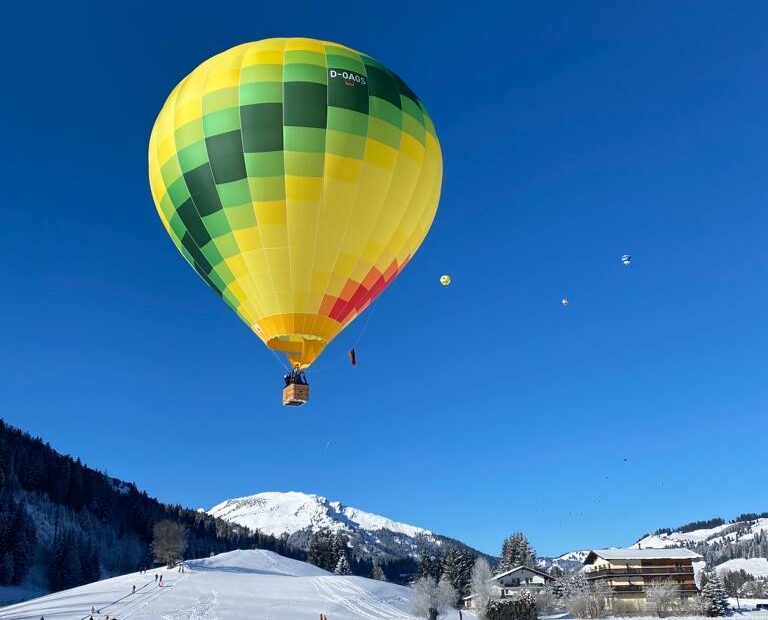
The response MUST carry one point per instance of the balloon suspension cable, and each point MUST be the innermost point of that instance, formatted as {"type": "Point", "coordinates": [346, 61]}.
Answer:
{"type": "Point", "coordinates": [279, 360]}
{"type": "Point", "coordinates": [336, 362]}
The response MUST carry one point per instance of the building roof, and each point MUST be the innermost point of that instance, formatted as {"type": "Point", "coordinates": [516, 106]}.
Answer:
{"type": "Point", "coordinates": [641, 554]}
{"type": "Point", "coordinates": [517, 568]}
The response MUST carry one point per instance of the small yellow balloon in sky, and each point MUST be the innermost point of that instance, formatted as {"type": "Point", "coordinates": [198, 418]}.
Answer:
{"type": "Point", "coordinates": [445, 280]}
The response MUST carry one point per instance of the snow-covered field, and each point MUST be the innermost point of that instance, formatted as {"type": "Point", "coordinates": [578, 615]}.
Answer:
{"type": "Point", "coordinates": [239, 585]}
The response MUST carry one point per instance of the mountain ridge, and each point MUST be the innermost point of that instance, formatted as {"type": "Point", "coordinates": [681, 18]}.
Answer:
{"type": "Point", "coordinates": [295, 516]}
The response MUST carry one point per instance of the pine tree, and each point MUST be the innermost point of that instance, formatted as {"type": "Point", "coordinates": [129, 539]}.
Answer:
{"type": "Point", "coordinates": [56, 564]}
{"type": "Point", "coordinates": [6, 569]}
{"type": "Point", "coordinates": [457, 568]}
{"type": "Point", "coordinates": [24, 534]}
{"type": "Point", "coordinates": [89, 562]}
{"type": "Point", "coordinates": [516, 551]}
{"type": "Point", "coordinates": [339, 547]}
{"type": "Point", "coordinates": [325, 549]}
{"type": "Point", "coordinates": [503, 565]}
{"type": "Point", "coordinates": [714, 597]}
{"type": "Point", "coordinates": [429, 567]}
{"type": "Point", "coordinates": [556, 572]}
{"type": "Point", "coordinates": [342, 566]}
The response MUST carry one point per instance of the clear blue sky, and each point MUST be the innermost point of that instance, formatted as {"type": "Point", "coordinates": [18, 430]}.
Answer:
{"type": "Point", "coordinates": [572, 133]}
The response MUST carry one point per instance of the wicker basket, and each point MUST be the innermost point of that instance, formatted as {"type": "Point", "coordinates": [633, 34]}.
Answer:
{"type": "Point", "coordinates": [295, 394]}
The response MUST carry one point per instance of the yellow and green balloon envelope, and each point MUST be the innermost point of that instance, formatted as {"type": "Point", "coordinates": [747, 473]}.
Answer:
{"type": "Point", "coordinates": [298, 177]}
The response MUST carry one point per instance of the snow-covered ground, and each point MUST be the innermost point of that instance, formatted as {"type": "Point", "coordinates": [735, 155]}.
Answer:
{"type": "Point", "coordinates": [239, 585]}
{"type": "Point", "coordinates": [747, 611]}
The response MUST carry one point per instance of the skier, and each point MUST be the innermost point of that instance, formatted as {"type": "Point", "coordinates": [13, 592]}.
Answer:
{"type": "Point", "coordinates": [155, 576]}
{"type": "Point", "coordinates": [134, 590]}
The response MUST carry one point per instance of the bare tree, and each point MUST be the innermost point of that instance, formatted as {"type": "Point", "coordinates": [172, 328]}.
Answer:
{"type": "Point", "coordinates": [377, 573]}
{"type": "Point", "coordinates": [431, 596]}
{"type": "Point", "coordinates": [169, 541]}
{"type": "Point", "coordinates": [481, 584]}
{"type": "Point", "coordinates": [446, 594]}
{"type": "Point", "coordinates": [589, 601]}
{"type": "Point", "coordinates": [661, 597]}
{"type": "Point", "coordinates": [545, 600]}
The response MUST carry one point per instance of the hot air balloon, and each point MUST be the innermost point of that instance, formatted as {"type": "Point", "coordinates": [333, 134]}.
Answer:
{"type": "Point", "coordinates": [445, 280]}
{"type": "Point", "coordinates": [298, 177]}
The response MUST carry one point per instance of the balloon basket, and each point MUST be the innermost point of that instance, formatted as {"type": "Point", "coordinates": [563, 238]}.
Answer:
{"type": "Point", "coordinates": [295, 395]}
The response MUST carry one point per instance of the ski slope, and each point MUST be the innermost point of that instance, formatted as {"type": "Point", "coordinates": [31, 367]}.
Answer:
{"type": "Point", "coordinates": [239, 585]}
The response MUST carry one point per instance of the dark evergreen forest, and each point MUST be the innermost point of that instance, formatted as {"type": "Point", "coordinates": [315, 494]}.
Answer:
{"type": "Point", "coordinates": [80, 523]}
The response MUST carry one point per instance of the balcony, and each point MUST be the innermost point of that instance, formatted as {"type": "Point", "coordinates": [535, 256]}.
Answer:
{"type": "Point", "coordinates": [600, 573]}
{"type": "Point", "coordinates": [681, 589]}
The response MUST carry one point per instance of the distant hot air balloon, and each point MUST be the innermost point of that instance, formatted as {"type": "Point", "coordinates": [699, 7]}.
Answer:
{"type": "Point", "coordinates": [445, 280]}
{"type": "Point", "coordinates": [564, 302]}
{"type": "Point", "coordinates": [626, 260]}
{"type": "Point", "coordinates": [298, 177]}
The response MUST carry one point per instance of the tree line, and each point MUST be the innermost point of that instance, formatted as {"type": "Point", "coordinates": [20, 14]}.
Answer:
{"type": "Point", "coordinates": [708, 524]}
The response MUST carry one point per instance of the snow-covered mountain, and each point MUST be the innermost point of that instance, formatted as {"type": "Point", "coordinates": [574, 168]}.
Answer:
{"type": "Point", "coordinates": [239, 585]}
{"type": "Point", "coordinates": [298, 515]}
{"type": "Point", "coordinates": [568, 562]}
{"type": "Point", "coordinates": [286, 513]}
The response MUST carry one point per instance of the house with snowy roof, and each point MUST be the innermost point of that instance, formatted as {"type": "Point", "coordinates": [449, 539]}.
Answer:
{"type": "Point", "coordinates": [629, 573]}
{"type": "Point", "coordinates": [512, 582]}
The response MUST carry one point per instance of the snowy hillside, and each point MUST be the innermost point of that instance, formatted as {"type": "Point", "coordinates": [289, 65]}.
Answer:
{"type": "Point", "coordinates": [727, 546]}
{"type": "Point", "coordinates": [728, 532]}
{"type": "Point", "coordinates": [239, 585]}
{"type": "Point", "coordinates": [299, 515]}
{"type": "Point", "coordinates": [757, 567]}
